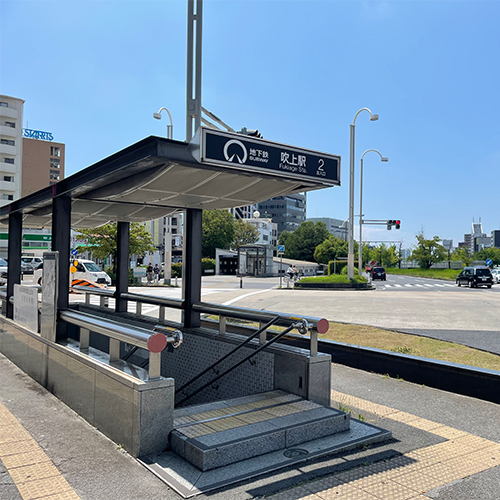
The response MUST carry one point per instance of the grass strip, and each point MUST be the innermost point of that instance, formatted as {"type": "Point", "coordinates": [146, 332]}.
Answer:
{"type": "Point", "coordinates": [369, 336]}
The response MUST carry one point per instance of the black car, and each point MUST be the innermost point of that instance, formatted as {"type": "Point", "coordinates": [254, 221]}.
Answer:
{"type": "Point", "coordinates": [378, 273]}
{"type": "Point", "coordinates": [475, 276]}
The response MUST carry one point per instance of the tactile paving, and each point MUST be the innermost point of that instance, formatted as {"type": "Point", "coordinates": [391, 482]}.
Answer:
{"type": "Point", "coordinates": [36, 456]}
{"type": "Point", "coordinates": [345, 492]}
{"type": "Point", "coordinates": [33, 472]}
{"type": "Point", "coordinates": [17, 447]}
{"type": "Point", "coordinates": [194, 431]}
{"type": "Point", "coordinates": [390, 489]}
{"type": "Point", "coordinates": [43, 487]}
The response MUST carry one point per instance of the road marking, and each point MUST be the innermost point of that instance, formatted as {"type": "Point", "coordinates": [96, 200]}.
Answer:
{"type": "Point", "coordinates": [31, 470]}
{"type": "Point", "coordinates": [232, 301]}
{"type": "Point", "coordinates": [400, 286]}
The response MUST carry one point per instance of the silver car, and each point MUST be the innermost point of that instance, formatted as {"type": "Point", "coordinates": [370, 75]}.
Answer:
{"type": "Point", "coordinates": [496, 275]}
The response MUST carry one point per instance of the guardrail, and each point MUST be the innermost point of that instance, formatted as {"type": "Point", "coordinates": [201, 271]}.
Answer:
{"type": "Point", "coordinates": [154, 342]}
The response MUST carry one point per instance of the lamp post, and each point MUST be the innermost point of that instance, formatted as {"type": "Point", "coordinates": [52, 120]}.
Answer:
{"type": "Point", "coordinates": [170, 128]}
{"type": "Point", "coordinates": [360, 248]}
{"type": "Point", "coordinates": [350, 255]}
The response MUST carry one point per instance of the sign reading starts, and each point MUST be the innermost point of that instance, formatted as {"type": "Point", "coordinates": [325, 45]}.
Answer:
{"type": "Point", "coordinates": [247, 153]}
{"type": "Point", "coordinates": [37, 134]}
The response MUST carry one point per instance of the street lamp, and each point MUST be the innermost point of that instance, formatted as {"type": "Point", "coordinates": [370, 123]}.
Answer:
{"type": "Point", "coordinates": [350, 255]}
{"type": "Point", "coordinates": [360, 248]}
{"type": "Point", "coordinates": [170, 128]}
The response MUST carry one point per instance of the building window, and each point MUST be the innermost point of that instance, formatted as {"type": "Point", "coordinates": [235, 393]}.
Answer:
{"type": "Point", "coordinates": [54, 176]}
{"type": "Point", "coordinates": [174, 230]}
{"type": "Point", "coordinates": [4, 104]}
{"type": "Point", "coordinates": [9, 160]}
{"type": "Point", "coordinates": [55, 163]}
{"type": "Point", "coordinates": [8, 178]}
{"type": "Point", "coordinates": [174, 222]}
{"type": "Point", "coordinates": [8, 142]}
{"type": "Point", "coordinates": [10, 124]}
{"type": "Point", "coordinates": [55, 151]}
{"type": "Point", "coordinates": [7, 197]}
{"type": "Point", "coordinates": [265, 237]}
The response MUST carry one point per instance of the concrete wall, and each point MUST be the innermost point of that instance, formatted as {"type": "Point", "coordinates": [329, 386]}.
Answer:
{"type": "Point", "coordinates": [135, 414]}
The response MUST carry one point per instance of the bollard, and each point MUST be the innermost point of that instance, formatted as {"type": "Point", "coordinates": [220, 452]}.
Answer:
{"type": "Point", "coordinates": [241, 281]}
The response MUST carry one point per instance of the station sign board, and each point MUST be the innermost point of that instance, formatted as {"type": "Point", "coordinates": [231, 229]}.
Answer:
{"type": "Point", "coordinates": [245, 153]}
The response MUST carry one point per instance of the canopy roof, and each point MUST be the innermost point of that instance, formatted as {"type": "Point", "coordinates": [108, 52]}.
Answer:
{"type": "Point", "coordinates": [153, 178]}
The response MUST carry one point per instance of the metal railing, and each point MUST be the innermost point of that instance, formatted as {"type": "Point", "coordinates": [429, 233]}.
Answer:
{"type": "Point", "coordinates": [315, 325]}
{"type": "Point", "coordinates": [154, 342]}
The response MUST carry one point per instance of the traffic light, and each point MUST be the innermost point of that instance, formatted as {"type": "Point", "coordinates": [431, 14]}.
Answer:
{"type": "Point", "coordinates": [398, 224]}
{"type": "Point", "coordinates": [252, 133]}
{"type": "Point", "coordinates": [390, 223]}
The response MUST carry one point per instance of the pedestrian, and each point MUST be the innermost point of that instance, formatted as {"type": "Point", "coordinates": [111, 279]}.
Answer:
{"type": "Point", "coordinates": [156, 272]}
{"type": "Point", "coordinates": [149, 273]}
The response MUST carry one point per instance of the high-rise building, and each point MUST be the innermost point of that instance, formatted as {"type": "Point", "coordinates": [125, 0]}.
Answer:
{"type": "Point", "coordinates": [43, 163]}
{"type": "Point", "coordinates": [11, 148]}
{"type": "Point", "coordinates": [245, 212]}
{"type": "Point", "coordinates": [495, 238]}
{"type": "Point", "coordinates": [288, 212]}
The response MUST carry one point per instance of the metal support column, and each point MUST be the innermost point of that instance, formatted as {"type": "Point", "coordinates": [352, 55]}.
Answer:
{"type": "Point", "coordinates": [122, 265]}
{"type": "Point", "coordinates": [14, 257]}
{"type": "Point", "coordinates": [61, 238]}
{"type": "Point", "coordinates": [191, 266]}
{"type": "Point", "coordinates": [193, 103]}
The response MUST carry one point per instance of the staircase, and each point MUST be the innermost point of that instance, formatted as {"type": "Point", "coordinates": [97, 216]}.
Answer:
{"type": "Point", "coordinates": [216, 434]}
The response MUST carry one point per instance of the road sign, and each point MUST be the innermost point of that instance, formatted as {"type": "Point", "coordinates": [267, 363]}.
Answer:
{"type": "Point", "coordinates": [246, 153]}
{"type": "Point", "coordinates": [489, 262]}
{"type": "Point", "coordinates": [74, 252]}
{"type": "Point", "coordinates": [281, 248]}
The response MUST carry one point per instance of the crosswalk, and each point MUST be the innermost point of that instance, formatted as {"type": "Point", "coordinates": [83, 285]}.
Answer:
{"type": "Point", "coordinates": [422, 286]}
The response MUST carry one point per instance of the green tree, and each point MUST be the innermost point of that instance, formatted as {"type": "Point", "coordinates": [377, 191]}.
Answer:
{"type": "Point", "coordinates": [332, 248]}
{"type": "Point", "coordinates": [102, 241]}
{"type": "Point", "coordinates": [492, 253]}
{"type": "Point", "coordinates": [463, 255]}
{"type": "Point", "coordinates": [244, 234]}
{"type": "Point", "coordinates": [217, 231]}
{"type": "Point", "coordinates": [428, 252]}
{"type": "Point", "coordinates": [302, 243]}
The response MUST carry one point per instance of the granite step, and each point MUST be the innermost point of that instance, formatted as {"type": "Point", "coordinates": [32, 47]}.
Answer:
{"type": "Point", "coordinates": [221, 433]}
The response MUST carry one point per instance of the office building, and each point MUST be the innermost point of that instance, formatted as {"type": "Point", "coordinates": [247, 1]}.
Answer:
{"type": "Point", "coordinates": [288, 212]}
{"type": "Point", "coordinates": [495, 238]}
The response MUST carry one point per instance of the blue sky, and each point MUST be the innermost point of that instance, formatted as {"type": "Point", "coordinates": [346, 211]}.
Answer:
{"type": "Point", "coordinates": [93, 72]}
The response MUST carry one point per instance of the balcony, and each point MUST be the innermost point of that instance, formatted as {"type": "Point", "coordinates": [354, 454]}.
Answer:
{"type": "Point", "coordinates": [8, 187]}
{"type": "Point", "coordinates": [8, 131]}
{"type": "Point", "coordinates": [8, 112]}
{"type": "Point", "coordinates": [8, 150]}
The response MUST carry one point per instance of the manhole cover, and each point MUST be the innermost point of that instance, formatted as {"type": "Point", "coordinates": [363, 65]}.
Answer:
{"type": "Point", "coordinates": [297, 452]}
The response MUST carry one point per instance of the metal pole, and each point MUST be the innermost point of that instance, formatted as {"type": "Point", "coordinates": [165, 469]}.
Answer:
{"type": "Point", "coordinates": [281, 269]}
{"type": "Point", "coordinates": [350, 255]}
{"type": "Point", "coordinates": [193, 103]}
{"type": "Point", "coordinates": [189, 76]}
{"type": "Point", "coordinates": [360, 249]}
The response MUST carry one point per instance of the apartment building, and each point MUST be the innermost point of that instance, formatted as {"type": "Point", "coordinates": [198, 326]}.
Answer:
{"type": "Point", "coordinates": [11, 148]}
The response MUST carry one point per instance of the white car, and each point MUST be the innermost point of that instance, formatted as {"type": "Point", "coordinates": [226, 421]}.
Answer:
{"type": "Point", "coordinates": [496, 275]}
{"type": "Point", "coordinates": [85, 270]}
{"type": "Point", "coordinates": [3, 271]}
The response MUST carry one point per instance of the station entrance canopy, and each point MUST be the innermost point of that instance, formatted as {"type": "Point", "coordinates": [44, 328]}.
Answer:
{"type": "Point", "coordinates": [157, 177]}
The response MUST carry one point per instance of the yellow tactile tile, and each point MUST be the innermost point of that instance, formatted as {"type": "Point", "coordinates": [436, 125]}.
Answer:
{"type": "Point", "coordinates": [281, 411]}
{"type": "Point", "coordinates": [14, 432]}
{"type": "Point", "coordinates": [390, 490]}
{"type": "Point", "coordinates": [16, 447]}
{"type": "Point", "coordinates": [418, 481]}
{"type": "Point", "coordinates": [43, 488]}
{"type": "Point", "coordinates": [194, 431]}
{"type": "Point", "coordinates": [224, 424]}
{"type": "Point", "coordinates": [36, 456]}
{"type": "Point", "coordinates": [344, 492]}
{"type": "Point", "coordinates": [449, 432]}
{"type": "Point", "coordinates": [67, 495]}
{"type": "Point", "coordinates": [402, 416]}
{"type": "Point", "coordinates": [255, 417]}
{"type": "Point", "coordinates": [183, 421]}
{"type": "Point", "coordinates": [33, 472]}
{"type": "Point", "coordinates": [424, 424]}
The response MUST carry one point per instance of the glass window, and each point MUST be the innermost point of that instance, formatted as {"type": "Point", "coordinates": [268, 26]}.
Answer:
{"type": "Point", "coordinates": [9, 160]}
{"type": "Point", "coordinates": [55, 151]}
{"type": "Point", "coordinates": [4, 104]}
{"type": "Point", "coordinates": [92, 267]}
{"type": "Point", "coordinates": [54, 176]}
{"type": "Point", "coordinates": [7, 142]}
{"type": "Point", "coordinates": [8, 178]}
{"type": "Point", "coordinates": [10, 124]}
{"type": "Point", "coordinates": [7, 197]}
{"type": "Point", "coordinates": [55, 163]}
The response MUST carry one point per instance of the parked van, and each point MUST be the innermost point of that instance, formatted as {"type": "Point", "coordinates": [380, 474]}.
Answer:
{"type": "Point", "coordinates": [85, 270]}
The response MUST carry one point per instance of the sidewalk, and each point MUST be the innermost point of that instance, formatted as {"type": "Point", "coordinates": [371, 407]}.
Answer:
{"type": "Point", "coordinates": [445, 445]}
